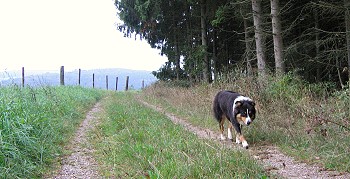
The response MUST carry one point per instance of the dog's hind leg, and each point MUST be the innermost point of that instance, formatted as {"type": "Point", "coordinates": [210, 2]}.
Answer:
{"type": "Point", "coordinates": [229, 131]}
{"type": "Point", "coordinates": [222, 128]}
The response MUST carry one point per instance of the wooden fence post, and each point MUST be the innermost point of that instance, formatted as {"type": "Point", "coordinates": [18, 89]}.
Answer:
{"type": "Point", "coordinates": [79, 76]}
{"type": "Point", "coordinates": [93, 80]}
{"type": "Point", "coordinates": [23, 77]}
{"type": "Point", "coordinates": [127, 83]}
{"type": "Point", "coordinates": [107, 82]}
{"type": "Point", "coordinates": [116, 83]}
{"type": "Point", "coordinates": [62, 75]}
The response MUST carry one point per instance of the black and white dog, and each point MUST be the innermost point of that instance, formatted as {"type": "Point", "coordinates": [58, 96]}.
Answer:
{"type": "Point", "coordinates": [237, 109]}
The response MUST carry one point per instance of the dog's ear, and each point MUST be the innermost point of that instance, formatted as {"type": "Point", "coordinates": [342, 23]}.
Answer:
{"type": "Point", "coordinates": [238, 103]}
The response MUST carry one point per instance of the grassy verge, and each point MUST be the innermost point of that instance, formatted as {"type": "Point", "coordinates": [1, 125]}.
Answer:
{"type": "Point", "coordinates": [306, 121]}
{"type": "Point", "coordinates": [133, 141]}
{"type": "Point", "coordinates": [34, 125]}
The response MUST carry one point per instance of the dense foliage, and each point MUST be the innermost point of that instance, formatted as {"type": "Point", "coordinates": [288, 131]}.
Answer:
{"type": "Point", "coordinates": [204, 39]}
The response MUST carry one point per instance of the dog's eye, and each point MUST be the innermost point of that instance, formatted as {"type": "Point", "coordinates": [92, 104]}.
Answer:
{"type": "Point", "coordinates": [251, 115]}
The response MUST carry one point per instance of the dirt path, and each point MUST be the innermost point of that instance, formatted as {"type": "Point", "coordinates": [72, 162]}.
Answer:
{"type": "Point", "coordinates": [272, 159]}
{"type": "Point", "coordinates": [80, 163]}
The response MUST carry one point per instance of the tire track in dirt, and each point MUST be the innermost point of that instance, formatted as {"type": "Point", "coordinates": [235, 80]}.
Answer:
{"type": "Point", "coordinates": [274, 161]}
{"type": "Point", "coordinates": [80, 163]}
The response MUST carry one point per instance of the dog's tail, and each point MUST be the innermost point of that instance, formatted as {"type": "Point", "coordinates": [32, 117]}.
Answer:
{"type": "Point", "coordinates": [216, 109]}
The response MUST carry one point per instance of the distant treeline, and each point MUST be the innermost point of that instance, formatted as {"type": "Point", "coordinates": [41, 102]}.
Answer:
{"type": "Point", "coordinates": [137, 78]}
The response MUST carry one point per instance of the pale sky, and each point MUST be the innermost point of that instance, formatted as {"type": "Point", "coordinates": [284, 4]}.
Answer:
{"type": "Point", "coordinates": [47, 34]}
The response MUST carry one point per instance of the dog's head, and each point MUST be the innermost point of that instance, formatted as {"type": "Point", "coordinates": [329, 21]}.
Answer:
{"type": "Point", "coordinates": [244, 109]}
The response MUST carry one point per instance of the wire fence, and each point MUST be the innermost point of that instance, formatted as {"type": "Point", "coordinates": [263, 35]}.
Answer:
{"type": "Point", "coordinates": [107, 81]}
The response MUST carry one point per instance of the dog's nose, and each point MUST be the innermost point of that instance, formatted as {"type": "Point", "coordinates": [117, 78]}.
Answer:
{"type": "Point", "coordinates": [248, 122]}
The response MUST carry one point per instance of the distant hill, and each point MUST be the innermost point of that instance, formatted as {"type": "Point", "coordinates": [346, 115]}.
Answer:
{"type": "Point", "coordinates": [71, 78]}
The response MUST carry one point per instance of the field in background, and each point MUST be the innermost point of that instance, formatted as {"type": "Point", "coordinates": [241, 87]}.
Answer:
{"type": "Point", "coordinates": [307, 121]}
{"type": "Point", "coordinates": [35, 125]}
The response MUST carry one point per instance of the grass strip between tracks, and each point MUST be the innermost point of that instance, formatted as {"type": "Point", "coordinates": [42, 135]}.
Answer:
{"type": "Point", "coordinates": [135, 141]}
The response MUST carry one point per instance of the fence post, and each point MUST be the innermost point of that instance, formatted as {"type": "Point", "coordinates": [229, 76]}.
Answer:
{"type": "Point", "coordinates": [62, 75]}
{"type": "Point", "coordinates": [116, 83]}
{"type": "Point", "coordinates": [79, 76]}
{"type": "Point", "coordinates": [107, 82]}
{"type": "Point", "coordinates": [127, 83]}
{"type": "Point", "coordinates": [23, 77]}
{"type": "Point", "coordinates": [143, 84]}
{"type": "Point", "coordinates": [93, 80]}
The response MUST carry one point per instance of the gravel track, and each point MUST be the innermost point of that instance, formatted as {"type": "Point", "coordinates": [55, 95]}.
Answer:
{"type": "Point", "coordinates": [80, 163]}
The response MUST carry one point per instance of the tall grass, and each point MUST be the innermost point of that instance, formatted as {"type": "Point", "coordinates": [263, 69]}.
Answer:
{"type": "Point", "coordinates": [308, 121]}
{"type": "Point", "coordinates": [35, 123]}
{"type": "Point", "coordinates": [133, 141]}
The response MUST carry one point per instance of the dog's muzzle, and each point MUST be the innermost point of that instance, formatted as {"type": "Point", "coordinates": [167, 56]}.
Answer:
{"type": "Point", "coordinates": [248, 121]}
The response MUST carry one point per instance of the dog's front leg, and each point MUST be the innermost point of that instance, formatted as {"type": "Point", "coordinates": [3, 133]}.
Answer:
{"type": "Point", "coordinates": [240, 138]}
{"type": "Point", "coordinates": [244, 142]}
{"type": "Point", "coordinates": [237, 139]}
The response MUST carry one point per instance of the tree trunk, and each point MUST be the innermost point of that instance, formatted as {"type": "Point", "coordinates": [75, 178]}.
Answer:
{"type": "Point", "coordinates": [317, 46]}
{"type": "Point", "coordinates": [189, 60]}
{"type": "Point", "coordinates": [277, 37]}
{"type": "Point", "coordinates": [177, 58]}
{"type": "Point", "coordinates": [176, 47]}
{"type": "Point", "coordinates": [347, 22]}
{"type": "Point", "coordinates": [259, 37]}
{"type": "Point", "coordinates": [204, 41]}
{"type": "Point", "coordinates": [247, 47]}
{"type": "Point", "coordinates": [215, 58]}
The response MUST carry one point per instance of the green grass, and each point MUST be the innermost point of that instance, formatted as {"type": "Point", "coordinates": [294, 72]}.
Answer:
{"type": "Point", "coordinates": [310, 122]}
{"type": "Point", "coordinates": [35, 123]}
{"type": "Point", "coordinates": [133, 141]}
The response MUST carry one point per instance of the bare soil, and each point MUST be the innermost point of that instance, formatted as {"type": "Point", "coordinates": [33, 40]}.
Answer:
{"type": "Point", "coordinates": [274, 161]}
{"type": "Point", "coordinates": [80, 163]}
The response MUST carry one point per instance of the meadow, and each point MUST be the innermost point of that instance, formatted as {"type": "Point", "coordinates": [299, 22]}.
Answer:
{"type": "Point", "coordinates": [35, 125]}
{"type": "Point", "coordinates": [310, 122]}
{"type": "Point", "coordinates": [134, 141]}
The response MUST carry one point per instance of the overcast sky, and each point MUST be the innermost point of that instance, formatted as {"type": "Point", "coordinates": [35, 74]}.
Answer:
{"type": "Point", "coordinates": [46, 34]}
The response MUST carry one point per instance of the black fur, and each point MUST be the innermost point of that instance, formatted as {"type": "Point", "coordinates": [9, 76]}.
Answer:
{"type": "Point", "coordinates": [223, 105]}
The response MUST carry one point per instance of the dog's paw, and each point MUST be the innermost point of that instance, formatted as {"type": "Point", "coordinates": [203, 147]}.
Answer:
{"type": "Point", "coordinates": [222, 137]}
{"type": "Point", "coordinates": [245, 144]}
{"type": "Point", "coordinates": [237, 140]}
